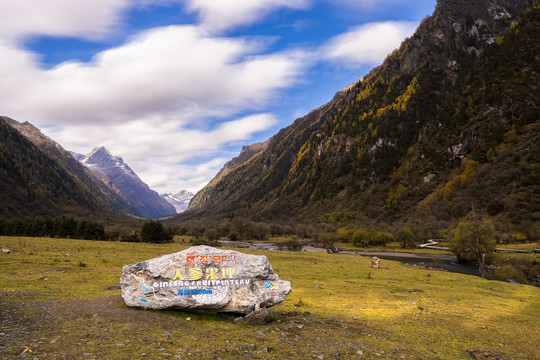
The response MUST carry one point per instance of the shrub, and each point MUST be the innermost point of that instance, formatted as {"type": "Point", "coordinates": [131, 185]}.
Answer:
{"type": "Point", "coordinates": [154, 232]}
{"type": "Point", "coordinates": [363, 237]}
{"type": "Point", "coordinates": [382, 239]}
{"type": "Point", "coordinates": [211, 234]}
{"type": "Point", "coordinates": [406, 237]}
{"type": "Point", "coordinates": [507, 273]}
{"type": "Point", "coordinates": [473, 239]}
{"type": "Point", "coordinates": [523, 268]}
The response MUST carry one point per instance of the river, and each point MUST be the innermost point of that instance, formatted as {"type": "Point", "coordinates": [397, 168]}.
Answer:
{"type": "Point", "coordinates": [441, 261]}
{"type": "Point", "coordinates": [429, 261]}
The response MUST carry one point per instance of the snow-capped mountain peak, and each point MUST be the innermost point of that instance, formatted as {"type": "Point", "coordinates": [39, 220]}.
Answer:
{"type": "Point", "coordinates": [146, 202]}
{"type": "Point", "coordinates": [180, 200]}
{"type": "Point", "coordinates": [101, 160]}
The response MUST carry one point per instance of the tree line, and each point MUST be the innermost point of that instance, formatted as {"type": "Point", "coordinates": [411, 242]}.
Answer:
{"type": "Point", "coordinates": [49, 227]}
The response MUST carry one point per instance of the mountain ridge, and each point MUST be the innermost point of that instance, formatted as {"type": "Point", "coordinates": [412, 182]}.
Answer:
{"type": "Point", "coordinates": [91, 180]}
{"type": "Point", "coordinates": [145, 202]}
{"type": "Point", "coordinates": [105, 180]}
{"type": "Point", "coordinates": [34, 183]}
{"type": "Point", "coordinates": [384, 147]}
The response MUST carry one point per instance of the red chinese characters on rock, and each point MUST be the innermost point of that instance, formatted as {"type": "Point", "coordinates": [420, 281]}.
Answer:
{"type": "Point", "coordinates": [192, 259]}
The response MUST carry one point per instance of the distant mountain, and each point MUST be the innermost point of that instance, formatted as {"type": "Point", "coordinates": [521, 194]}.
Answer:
{"type": "Point", "coordinates": [34, 183]}
{"type": "Point", "coordinates": [145, 202]}
{"type": "Point", "coordinates": [180, 200]}
{"type": "Point", "coordinates": [450, 118]}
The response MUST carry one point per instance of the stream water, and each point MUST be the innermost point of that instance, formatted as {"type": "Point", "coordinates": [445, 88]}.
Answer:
{"type": "Point", "coordinates": [442, 261]}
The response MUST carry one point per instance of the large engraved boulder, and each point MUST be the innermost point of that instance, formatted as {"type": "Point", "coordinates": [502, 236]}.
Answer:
{"type": "Point", "coordinates": [204, 278]}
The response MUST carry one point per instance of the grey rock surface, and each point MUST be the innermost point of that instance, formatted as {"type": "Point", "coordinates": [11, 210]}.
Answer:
{"type": "Point", "coordinates": [204, 278]}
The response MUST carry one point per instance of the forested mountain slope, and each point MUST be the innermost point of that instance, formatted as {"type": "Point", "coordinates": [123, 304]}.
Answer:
{"type": "Point", "coordinates": [449, 119]}
{"type": "Point", "coordinates": [96, 183]}
{"type": "Point", "coordinates": [34, 183]}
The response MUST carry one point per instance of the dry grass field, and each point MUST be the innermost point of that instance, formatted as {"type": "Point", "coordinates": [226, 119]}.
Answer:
{"type": "Point", "coordinates": [60, 299]}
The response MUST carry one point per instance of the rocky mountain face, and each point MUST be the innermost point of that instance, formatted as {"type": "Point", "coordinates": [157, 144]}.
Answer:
{"type": "Point", "coordinates": [33, 183]}
{"type": "Point", "coordinates": [449, 118]}
{"type": "Point", "coordinates": [92, 180]}
{"type": "Point", "coordinates": [180, 200]}
{"type": "Point", "coordinates": [106, 185]}
{"type": "Point", "coordinates": [145, 202]}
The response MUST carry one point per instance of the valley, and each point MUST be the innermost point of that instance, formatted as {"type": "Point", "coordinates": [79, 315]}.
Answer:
{"type": "Point", "coordinates": [439, 142]}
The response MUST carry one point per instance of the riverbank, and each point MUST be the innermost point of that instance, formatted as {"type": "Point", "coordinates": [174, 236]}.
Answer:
{"type": "Point", "coordinates": [521, 268]}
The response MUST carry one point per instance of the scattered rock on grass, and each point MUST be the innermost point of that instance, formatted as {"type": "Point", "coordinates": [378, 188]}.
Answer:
{"type": "Point", "coordinates": [258, 317]}
{"type": "Point", "coordinates": [484, 355]}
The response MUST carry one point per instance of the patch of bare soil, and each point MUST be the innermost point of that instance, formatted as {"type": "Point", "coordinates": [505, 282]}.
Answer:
{"type": "Point", "coordinates": [32, 329]}
{"type": "Point", "coordinates": [104, 328]}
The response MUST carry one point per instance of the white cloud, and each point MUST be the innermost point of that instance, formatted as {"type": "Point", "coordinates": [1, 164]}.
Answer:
{"type": "Point", "coordinates": [157, 149]}
{"type": "Point", "coordinates": [177, 71]}
{"type": "Point", "coordinates": [368, 44]}
{"type": "Point", "coordinates": [152, 100]}
{"type": "Point", "coordinates": [89, 19]}
{"type": "Point", "coordinates": [199, 174]}
{"type": "Point", "coordinates": [225, 14]}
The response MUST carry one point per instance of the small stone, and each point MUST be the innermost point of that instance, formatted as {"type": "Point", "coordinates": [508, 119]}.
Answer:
{"type": "Point", "coordinates": [188, 318]}
{"type": "Point", "coordinates": [6, 251]}
{"type": "Point", "coordinates": [258, 317]}
{"type": "Point", "coordinates": [360, 352]}
{"type": "Point", "coordinates": [375, 262]}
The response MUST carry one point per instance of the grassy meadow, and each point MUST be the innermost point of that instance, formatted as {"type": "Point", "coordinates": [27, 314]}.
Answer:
{"type": "Point", "coordinates": [60, 299]}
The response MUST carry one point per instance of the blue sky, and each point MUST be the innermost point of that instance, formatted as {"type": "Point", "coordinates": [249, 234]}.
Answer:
{"type": "Point", "coordinates": [176, 87]}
